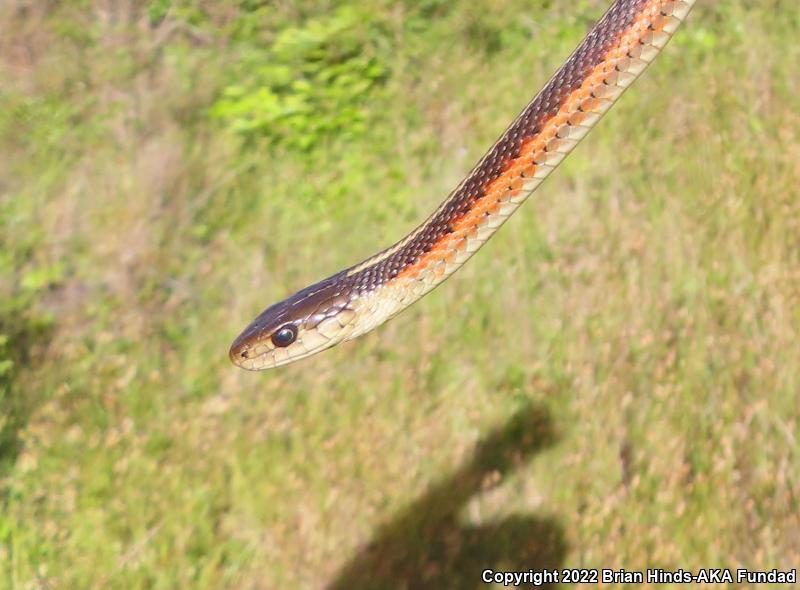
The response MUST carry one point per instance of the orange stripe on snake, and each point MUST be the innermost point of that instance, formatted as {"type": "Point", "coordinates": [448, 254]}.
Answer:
{"type": "Point", "coordinates": [583, 105]}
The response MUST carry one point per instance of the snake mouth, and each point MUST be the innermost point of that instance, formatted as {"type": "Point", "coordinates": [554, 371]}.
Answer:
{"type": "Point", "coordinates": [246, 353]}
{"type": "Point", "coordinates": [260, 347]}
{"type": "Point", "coordinates": [251, 349]}
{"type": "Point", "coordinates": [260, 354]}
{"type": "Point", "coordinates": [273, 339]}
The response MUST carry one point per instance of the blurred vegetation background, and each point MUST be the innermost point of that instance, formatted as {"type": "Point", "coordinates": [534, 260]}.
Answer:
{"type": "Point", "coordinates": [612, 382]}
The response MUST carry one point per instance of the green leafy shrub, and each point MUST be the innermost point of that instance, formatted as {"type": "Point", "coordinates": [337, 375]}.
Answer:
{"type": "Point", "coordinates": [310, 83]}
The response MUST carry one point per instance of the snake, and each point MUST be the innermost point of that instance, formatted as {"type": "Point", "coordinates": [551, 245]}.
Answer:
{"type": "Point", "coordinates": [614, 52]}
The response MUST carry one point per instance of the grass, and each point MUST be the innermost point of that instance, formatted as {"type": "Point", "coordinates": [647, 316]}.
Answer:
{"type": "Point", "coordinates": [612, 382]}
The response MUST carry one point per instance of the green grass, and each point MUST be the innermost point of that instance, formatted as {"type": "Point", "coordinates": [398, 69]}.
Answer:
{"type": "Point", "coordinates": [613, 381]}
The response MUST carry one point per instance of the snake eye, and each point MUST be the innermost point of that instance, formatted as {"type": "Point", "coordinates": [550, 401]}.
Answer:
{"type": "Point", "coordinates": [284, 336]}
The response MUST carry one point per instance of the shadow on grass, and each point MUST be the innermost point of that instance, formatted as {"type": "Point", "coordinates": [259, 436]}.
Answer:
{"type": "Point", "coordinates": [426, 545]}
{"type": "Point", "coordinates": [18, 335]}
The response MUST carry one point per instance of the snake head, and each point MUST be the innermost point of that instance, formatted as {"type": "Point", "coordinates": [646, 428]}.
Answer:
{"type": "Point", "coordinates": [308, 322]}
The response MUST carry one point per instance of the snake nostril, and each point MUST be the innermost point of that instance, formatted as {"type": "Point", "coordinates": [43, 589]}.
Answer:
{"type": "Point", "coordinates": [245, 354]}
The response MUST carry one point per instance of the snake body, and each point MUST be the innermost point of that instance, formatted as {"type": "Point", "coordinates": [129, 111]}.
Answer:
{"type": "Point", "coordinates": [356, 300]}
